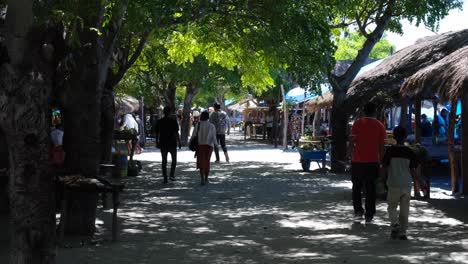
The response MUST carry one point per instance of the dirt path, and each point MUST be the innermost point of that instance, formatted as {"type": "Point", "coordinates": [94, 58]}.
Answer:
{"type": "Point", "coordinates": [261, 208]}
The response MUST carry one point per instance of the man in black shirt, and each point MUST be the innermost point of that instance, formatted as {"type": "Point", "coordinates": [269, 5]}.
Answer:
{"type": "Point", "coordinates": [167, 132]}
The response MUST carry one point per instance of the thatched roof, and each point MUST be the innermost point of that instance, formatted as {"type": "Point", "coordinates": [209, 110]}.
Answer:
{"type": "Point", "coordinates": [342, 66]}
{"type": "Point", "coordinates": [447, 78]}
{"type": "Point", "coordinates": [322, 101]}
{"type": "Point", "coordinates": [244, 104]}
{"type": "Point", "coordinates": [126, 104]}
{"type": "Point", "coordinates": [386, 79]}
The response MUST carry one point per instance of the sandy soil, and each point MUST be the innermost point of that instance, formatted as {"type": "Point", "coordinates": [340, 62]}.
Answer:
{"type": "Point", "coordinates": [262, 208]}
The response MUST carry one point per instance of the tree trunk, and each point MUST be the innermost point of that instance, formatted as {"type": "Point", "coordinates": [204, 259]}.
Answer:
{"type": "Point", "coordinates": [25, 90]}
{"type": "Point", "coordinates": [451, 150]}
{"type": "Point", "coordinates": [31, 181]}
{"type": "Point", "coordinates": [107, 123]}
{"type": "Point", "coordinates": [339, 127]}
{"type": "Point", "coordinates": [464, 136]}
{"type": "Point", "coordinates": [220, 100]}
{"type": "Point", "coordinates": [82, 113]}
{"type": "Point", "coordinates": [417, 120]}
{"type": "Point", "coordinates": [316, 122]}
{"type": "Point", "coordinates": [84, 94]}
{"type": "Point", "coordinates": [191, 91]}
{"type": "Point", "coordinates": [170, 95]}
{"type": "Point", "coordinates": [341, 84]}
{"type": "Point", "coordinates": [285, 120]}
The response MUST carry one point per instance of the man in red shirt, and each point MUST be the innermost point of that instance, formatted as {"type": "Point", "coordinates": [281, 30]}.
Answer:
{"type": "Point", "coordinates": [367, 148]}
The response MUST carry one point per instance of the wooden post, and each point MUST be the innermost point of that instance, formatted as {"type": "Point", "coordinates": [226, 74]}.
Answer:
{"type": "Point", "coordinates": [417, 113]}
{"type": "Point", "coordinates": [435, 123]}
{"type": "Point", "coordinates": [409, 118]}
{"type": "Point", "coordinates": [404, 113]}
{"type": "Point", "coordinates": [450, 145]}
{"type": "Point", "coordinates": [285, 120]}
{"type": "Point", "coordinates": [276, 119]}
{"type": "Point", "coordinates": [392, 122]}
{"type": "Point", "coordinates": [303, 113]}
{"type": "Point", "coordinates": [464, 136]}
{"type": "Point", "coordinates": [143, 122]}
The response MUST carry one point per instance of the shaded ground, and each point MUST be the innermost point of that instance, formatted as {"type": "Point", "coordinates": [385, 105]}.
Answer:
{"type": "Point", "coordinates": [261, 208]}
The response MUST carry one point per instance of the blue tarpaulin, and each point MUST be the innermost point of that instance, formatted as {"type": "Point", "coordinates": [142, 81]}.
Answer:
{"type": "Point", "coordinates": [448, 106]}
{"type": "Point", "coordinates": [298, 94]}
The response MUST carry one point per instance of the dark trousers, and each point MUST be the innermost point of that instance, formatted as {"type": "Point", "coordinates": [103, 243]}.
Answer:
{"type": "Point", "coordinates": [164, 151]}
{"type": "Point", "coordinates": [364, 175]}
{"type": "Point", "coordinates": [221, 141]}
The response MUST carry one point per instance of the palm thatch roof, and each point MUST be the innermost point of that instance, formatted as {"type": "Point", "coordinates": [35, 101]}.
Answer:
{"type": "Point", "coordinates": [126, 104]}
{"type": "Point", "coordinates": [342, 66]}
{"type": "Point", "coordinates": [323, 101]}
{"type": "Point", "coordinates": [385, 80]}
{"type": "Point", "coordinates": [447, 78]}
{"type": "Point", "coordinates": [244, 104]}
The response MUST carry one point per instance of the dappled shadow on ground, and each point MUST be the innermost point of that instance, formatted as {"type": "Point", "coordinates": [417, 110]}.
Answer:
{"type": "Point", "coordinates": [258, 212]}
{"type": "Point", "coordinates": [453, 208]}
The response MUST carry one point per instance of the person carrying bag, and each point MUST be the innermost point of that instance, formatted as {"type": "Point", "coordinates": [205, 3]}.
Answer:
{"type": "Point", "coordinates": [205, 136]}
{"type": "Point", "coordinates": [193, 144]}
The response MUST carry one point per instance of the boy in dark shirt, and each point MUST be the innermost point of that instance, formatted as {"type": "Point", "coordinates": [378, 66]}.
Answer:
{"type": "Point", "coordinates": [400, 161]}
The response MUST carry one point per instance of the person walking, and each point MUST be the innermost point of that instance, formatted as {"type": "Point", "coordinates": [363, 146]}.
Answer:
{"type": "Point", "coordinates": [367, 147]}
{"type": "Point", "coordinates": [401, 164]}
{"type": "Point", "coordinates": [222, 124]}
{"type": "Point", "coordinates": [206, 135]}
{"type": "Point", "coordinates": [426, 127]}
{"type": "Point", "coordinates": [167, 131]}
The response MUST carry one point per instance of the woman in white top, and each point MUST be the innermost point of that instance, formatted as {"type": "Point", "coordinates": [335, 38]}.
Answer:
{"type": "Point", "coordinates": [206, 142]}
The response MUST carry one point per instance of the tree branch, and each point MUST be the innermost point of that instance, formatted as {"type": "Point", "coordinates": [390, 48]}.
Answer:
{"type": "Point", "coordinates": [372, 38]}
{"type": "Point", "coordinates": [127, 63]}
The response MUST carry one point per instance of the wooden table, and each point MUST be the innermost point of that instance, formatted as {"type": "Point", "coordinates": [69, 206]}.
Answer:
{"type": "Point", "coordinates": [103, 187]}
